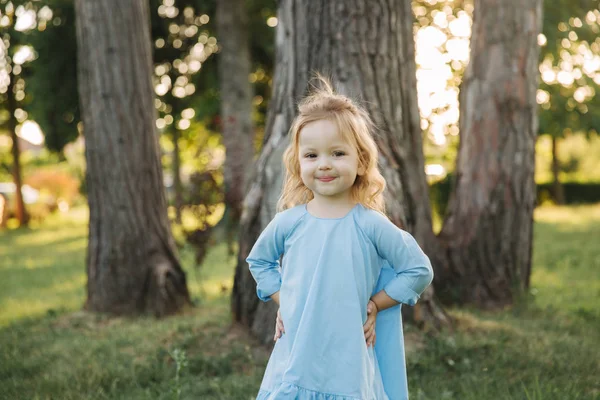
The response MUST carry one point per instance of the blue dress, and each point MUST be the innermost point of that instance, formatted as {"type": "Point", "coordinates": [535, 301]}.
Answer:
{"type": "Point", "coordinates": [329, 271]}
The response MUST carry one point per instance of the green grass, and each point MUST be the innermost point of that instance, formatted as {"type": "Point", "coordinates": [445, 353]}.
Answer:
{"type": "Point", "coordinates": [50, 349]}
{"type": "Point", "coordinates": [545, 347]}
{"type": "Point", "coordinates": [43, 269]}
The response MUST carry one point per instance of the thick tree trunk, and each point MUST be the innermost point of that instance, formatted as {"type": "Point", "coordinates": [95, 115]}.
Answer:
{"type": "Point", "coordinates": [131, 262]}
{"type": "Point", "coordinates": [236, 107]}
{"type": "Point", "coordinates": [369, 49]}
{"type": "Point", "coordinates": [558, 192]}
{"type": "Point", "coordinates": [487, 234]}
{"type": "Point", "coordinates": [21, 211]}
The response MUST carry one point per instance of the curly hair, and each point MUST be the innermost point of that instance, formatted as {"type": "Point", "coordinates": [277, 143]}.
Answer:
{"type": "Point", "coordinates": [357, 129]}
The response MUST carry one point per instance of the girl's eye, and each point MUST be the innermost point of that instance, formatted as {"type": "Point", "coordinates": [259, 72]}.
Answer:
{"type": "Point", "coordinates": [310, 155]}
{"type": "Point", "coordinates": [339, 153]}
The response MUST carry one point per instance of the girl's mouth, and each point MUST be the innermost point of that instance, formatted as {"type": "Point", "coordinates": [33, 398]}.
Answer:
{"type": "Point", "coordinates": [327, 179]}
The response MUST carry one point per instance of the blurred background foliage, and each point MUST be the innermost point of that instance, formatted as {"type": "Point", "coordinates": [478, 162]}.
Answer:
{"type": "Point", "coordinates": [39, 51]}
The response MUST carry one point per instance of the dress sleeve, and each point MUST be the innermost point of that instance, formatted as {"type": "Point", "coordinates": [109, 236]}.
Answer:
{"type": "Point", "coordinates": [413, 268]}
{"type": "Point", "coordinates": [263, 259]}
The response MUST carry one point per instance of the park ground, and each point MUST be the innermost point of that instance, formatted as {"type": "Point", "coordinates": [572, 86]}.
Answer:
{"type": "Point", "coordinates": [547, 346]}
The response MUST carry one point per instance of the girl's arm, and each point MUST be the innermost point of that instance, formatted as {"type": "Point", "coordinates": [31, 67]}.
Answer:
{"type": "Point", "coordinates": [413, 268]}
{"type": "Point", "coordinates": [264, 260]}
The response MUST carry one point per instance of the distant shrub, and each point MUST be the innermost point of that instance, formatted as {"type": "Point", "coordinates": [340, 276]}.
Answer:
{"type": "Point", "coordinates": [55, 186]}
{"type": "Point", "coordinates": [204, 197]}
{"type": "Point", "coordinates": [439, 193]}
{"type": "Point", "coordinates": [575, 193]}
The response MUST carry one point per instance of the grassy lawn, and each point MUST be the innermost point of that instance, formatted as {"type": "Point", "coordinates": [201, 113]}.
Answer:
{"type": "Point", "coordinates": [545, 347]}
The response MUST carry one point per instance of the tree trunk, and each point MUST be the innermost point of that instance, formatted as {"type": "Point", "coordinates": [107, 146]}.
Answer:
{"type": "Point", "coordinates": [236, 107]}
{"type": "Point", "coordinates": [3, 211]}
{"type": "Point", "coordinates": [368, 48]}
{"type": "Point", "coordinates": [21, 211]}
{"type": "Point", "coordinates": [487, 233]}
{"type": "Point", "coordinates": [558, 192]}
{"type": "Point", "coordinates": [132, 264]}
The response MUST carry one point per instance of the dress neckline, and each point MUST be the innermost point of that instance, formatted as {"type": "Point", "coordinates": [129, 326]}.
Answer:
{"type": "Point", "coordinates": [331, 219]}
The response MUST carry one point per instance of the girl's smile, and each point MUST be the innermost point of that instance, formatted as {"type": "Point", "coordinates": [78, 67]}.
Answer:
{"type": "Point", "coordinates": [326, 178]}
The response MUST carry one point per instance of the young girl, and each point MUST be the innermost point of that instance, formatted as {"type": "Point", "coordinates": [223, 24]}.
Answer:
{"type": "Point", "coordinates": [345, 264]}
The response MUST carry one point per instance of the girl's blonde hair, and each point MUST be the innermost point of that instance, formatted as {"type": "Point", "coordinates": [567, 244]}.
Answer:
{"type": "Point", "coordinates": [355, 126]}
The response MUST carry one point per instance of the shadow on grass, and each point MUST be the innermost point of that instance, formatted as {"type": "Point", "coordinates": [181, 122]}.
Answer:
{"type": "Point", "coordinates": [44, 255]}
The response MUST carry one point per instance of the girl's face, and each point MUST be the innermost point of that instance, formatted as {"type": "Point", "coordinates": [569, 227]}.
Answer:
{"type": "Point", "coordinates": [328, 164]}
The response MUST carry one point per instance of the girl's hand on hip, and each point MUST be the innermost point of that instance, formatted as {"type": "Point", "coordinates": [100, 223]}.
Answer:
{"type": "Point", "coordinates": [279, 329]}
{"type": "Point", "coordinates": [369, 326]}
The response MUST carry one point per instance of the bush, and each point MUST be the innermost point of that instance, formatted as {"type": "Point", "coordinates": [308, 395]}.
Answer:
{"type": "Point", "coordinates": [55, 185]}
{"type": "Point", "coordinates": [575, 193]}
{"type": "Point", "coordinates": [439, 194]}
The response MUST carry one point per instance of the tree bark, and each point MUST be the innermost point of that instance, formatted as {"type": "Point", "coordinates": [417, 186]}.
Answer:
{"type": "Point", "coordinates": [21, 211]}
{"type": "Point", "coordinates": [236, 107]}
{"type": "Point", "coordinates": [132, 264]}
{"type": "Point", "coordinates": [558, 192]}
{"type": "Point", "coordinates": [368, 48]}
{"type": "Point", "coordinates": [487, 233]}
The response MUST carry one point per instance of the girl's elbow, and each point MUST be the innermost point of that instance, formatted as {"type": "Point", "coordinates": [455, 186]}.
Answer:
{"type": "Point", "coordinates": [429, 275]}
{"type": "Point", "coordinates": [426, 275]}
